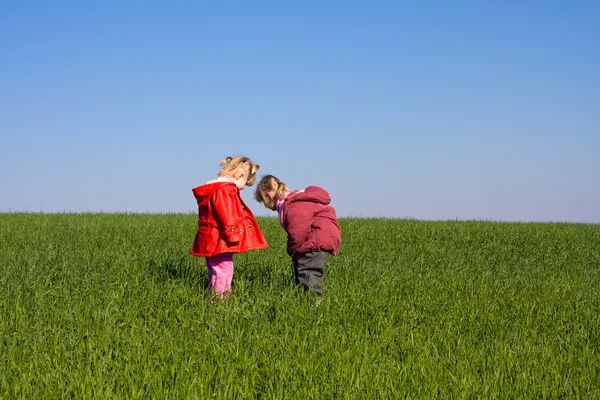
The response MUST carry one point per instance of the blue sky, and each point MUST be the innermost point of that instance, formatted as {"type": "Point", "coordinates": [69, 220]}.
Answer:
{"type": "Point", "coordinates": [424, 109]}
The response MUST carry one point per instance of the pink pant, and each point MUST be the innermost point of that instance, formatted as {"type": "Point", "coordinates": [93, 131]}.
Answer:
{"type": "Point", "coordinates": [220, 273]}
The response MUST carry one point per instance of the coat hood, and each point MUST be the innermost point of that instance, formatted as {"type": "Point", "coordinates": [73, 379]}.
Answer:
{"type": "Point", "coordinates": [313, 194]}
{"type": "Point", "coordinates": [203, 192]}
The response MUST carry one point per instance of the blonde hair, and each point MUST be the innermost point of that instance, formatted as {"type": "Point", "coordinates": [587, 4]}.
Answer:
{"type": "Point", "coordinates": [269, 183]}
{"type": "Point", "coordinates": [230, 166]}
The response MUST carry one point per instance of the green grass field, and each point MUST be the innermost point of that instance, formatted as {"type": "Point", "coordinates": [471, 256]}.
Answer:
{"type": "Point", "coordinates": [113, 306]}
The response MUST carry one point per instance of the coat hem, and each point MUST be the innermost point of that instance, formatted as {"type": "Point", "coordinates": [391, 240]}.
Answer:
{"type": "Point", "coordinates": [228, 251]}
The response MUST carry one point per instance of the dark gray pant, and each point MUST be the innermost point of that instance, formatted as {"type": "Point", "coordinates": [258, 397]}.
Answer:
{"type": "Point", "coordinates": [309, 269]}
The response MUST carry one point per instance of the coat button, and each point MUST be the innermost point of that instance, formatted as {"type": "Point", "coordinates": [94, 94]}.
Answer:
{"type": "Point", "coordinates": [241, 230]}
{"type": "Point", "coordinates": [232, 229]}
{"type": "Point", "coordinates": [249, 225]}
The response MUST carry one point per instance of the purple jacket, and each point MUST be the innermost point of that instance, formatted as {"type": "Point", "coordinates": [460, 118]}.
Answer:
{"type": "Point", "coordinates": [310, 222]}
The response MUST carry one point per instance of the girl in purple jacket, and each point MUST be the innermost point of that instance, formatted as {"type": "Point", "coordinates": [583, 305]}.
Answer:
{"type": "Point", "coordinates": [311, 224]}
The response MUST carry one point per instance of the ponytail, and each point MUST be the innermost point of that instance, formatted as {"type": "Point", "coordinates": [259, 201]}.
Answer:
{"type": "Point", "coordinates": [225, 161]}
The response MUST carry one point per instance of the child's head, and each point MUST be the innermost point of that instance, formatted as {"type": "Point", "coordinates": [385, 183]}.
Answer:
{"type": "Point", "coordinates": [241, 169]}
{"type": "Point", "coordinates": [269, 190]}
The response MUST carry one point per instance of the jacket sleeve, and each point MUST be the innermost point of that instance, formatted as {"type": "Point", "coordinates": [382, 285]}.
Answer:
{"type": "Point", "coordinates": [298, 225]}
{"type": "Point", "coordinates": [226, 206]}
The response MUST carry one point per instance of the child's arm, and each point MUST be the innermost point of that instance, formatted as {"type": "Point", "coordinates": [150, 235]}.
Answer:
{"type": "Point", "coordinates": [298, 227]}
{"type": "Point", "coordinates": [227, 209]}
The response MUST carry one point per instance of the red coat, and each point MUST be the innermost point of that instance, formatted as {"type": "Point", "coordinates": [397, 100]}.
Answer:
{"type": "Point", "coordinates": [311, 223]}
{"type": "Point", "coordinates": [225, 223]}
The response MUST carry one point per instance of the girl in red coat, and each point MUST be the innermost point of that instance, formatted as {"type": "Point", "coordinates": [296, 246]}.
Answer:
{"type": "Point", "coordinates": [225, 224]}
{"type": "Point", "coordinates": [311, 224]}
